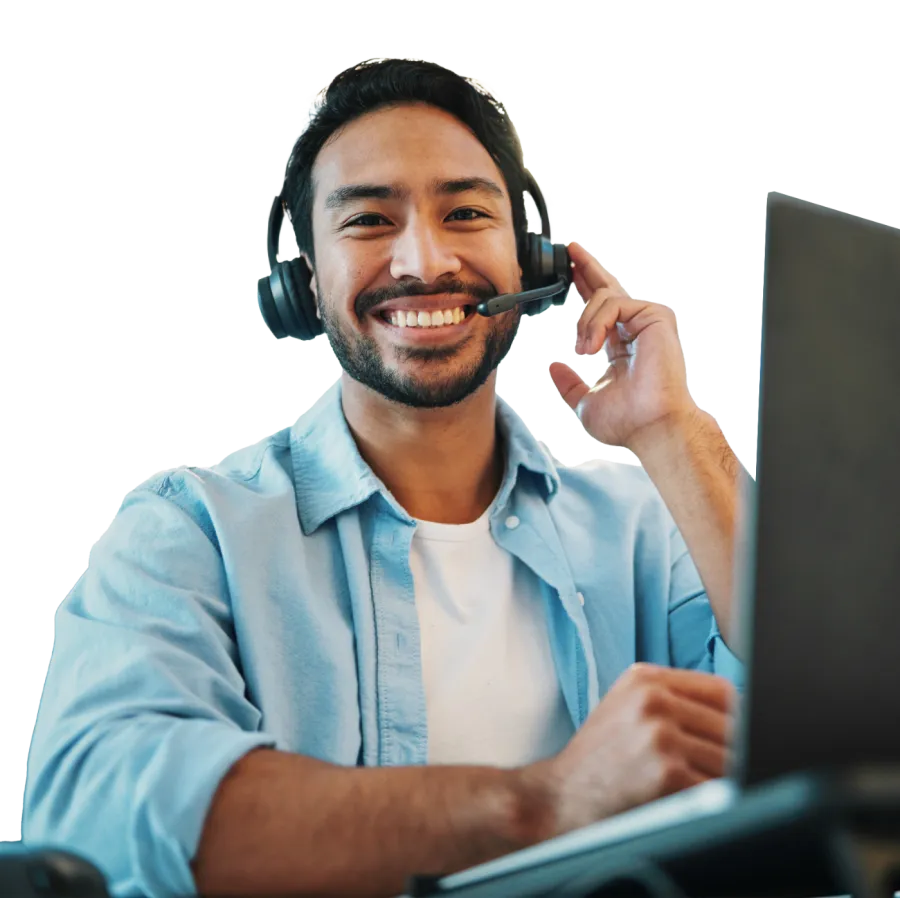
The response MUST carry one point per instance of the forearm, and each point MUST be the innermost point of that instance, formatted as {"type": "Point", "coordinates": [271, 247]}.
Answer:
{"type": "Point", "coordinates": [700, 480]}
{"type": "Point", "coordinates": [284, 824]}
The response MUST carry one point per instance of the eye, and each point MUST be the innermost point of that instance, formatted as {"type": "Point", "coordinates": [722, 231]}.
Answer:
{"type": "Point", "coordinates": [476, 211]}
{"type": "Point", "coordinates": [358, 221]}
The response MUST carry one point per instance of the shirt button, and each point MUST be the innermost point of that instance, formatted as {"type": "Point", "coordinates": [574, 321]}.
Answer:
{"type": "Point", "coordinates": [580, 598]}
{"type": "Point", "coordinates": [512, 522]}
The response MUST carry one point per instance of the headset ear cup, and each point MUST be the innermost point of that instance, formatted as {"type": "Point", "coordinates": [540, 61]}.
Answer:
{"type": "Point", "coordinates": [282, 290]}
{"type": "Point", "coordinates": [529, 262]}
{"type": "Point", "coordinates": [268, 308]}
{"type": "Point", "coordinates": [544, 263]}
{"type": "Point", "coordinates": [539, 269]}
{"type": "Point", "coordinates": [522, 254]}
{"type": "Point", "coordinates": [304, 303]}
{"type": "Point", "coordinates": [562, 268]}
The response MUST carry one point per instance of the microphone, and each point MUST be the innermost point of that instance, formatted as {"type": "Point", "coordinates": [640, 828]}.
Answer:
{"type": "Point", "coordinates": [506, 301]}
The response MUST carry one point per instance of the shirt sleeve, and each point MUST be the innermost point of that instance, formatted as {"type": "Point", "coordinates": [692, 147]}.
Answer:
{"type": "Point", "coordinates": [695, 641]}
{"type": "Point", "coordinates": [144, 707]}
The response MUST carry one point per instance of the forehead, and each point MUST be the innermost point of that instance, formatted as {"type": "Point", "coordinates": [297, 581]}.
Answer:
{"type": "Point", "coordinates": [413, 144]}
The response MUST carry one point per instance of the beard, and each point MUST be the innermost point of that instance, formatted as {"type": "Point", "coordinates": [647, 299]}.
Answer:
{"type": "Point", "coordinates": [360, 358]}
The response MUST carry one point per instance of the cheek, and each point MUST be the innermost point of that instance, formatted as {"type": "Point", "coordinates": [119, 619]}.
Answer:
{"type": "Point", "coordinates": [358, 265]}
{"type": "Point", "coordinates": [505, 276]}
{"type": "Point", "coordinates": [339, 298]}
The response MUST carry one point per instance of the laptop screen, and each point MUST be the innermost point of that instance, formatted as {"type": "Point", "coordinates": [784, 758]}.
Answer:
{"type": "Point", "coordinates": [823, 627]}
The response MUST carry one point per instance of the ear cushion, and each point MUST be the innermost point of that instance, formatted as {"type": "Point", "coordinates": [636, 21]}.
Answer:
{"type": "Point", "coordinates": [535, 271]}
{"type": "Point", "coordinates": [285, 320]}
{"type": "Point", "coordinates": [268, 308]}
{"type": "Point", "coordinates": [304, 303]}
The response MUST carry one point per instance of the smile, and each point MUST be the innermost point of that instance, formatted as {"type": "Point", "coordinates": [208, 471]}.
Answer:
{"type": "Point", "coordinates": [422, 327]}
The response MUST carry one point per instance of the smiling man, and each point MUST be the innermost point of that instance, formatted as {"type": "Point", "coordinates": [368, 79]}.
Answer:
{"type": "Point", "coordinates": [441, 241]}
{"type": "Point", "coordinates": [399, 636]}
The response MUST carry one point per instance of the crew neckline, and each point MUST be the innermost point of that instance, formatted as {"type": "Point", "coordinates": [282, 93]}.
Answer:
{"type": "Point", "coordinates": [432, 530]}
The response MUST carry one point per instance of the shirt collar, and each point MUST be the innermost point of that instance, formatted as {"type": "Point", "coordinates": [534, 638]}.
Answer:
{"type": "Point", "coordinates": [331, 476]}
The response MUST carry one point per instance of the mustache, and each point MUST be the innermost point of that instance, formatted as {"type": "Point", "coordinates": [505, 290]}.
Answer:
{"type": "Point", "coordinates": [367, 301]}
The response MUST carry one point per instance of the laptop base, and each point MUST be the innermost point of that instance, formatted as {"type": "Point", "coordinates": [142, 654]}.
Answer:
{"type": "Point", "coordinates": [800, 836]}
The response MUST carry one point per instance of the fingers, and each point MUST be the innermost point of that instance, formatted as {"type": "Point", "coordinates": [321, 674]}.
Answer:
{"type": "Point", "coordinates": [706, 688]}
{"type": "Point", "coordinates": [598, 316]}
{"type": "Point", "coordinates": [700, 721]}
{"type": "Point", "coordinates": [707, 758]}
{"type": "Point", "coordinates": [591, 271]}
{"type": "Point", "coordinates": [686, 777]}
{"type": "Point", "coordinates": [604, 312]}
{"type": "Point", "coordinates": [571, 387]}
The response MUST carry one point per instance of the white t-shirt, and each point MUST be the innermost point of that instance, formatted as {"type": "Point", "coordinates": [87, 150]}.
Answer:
{"type": "Point", "coordinates": [492, 694]}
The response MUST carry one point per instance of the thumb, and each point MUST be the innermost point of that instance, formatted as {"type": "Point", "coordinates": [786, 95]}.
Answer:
{"type": "Point", "coordinates": [571, 387]}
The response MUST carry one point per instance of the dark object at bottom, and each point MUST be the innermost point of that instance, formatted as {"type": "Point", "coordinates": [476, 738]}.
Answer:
{"type": "Point", "coordinates": [27, 872]}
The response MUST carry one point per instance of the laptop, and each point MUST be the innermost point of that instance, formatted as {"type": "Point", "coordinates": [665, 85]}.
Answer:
{"type": "Point", "coordinates": [818, 585]}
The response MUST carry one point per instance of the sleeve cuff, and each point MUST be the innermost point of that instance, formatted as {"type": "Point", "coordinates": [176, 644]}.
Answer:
{"type": "Point", "coordinates": [725, 663]}
{"type": "Point", "coordinates": [176, 800]}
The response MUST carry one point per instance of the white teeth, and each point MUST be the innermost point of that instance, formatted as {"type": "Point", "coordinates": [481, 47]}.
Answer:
{"type": "Point", "coordinates": [438, 318]}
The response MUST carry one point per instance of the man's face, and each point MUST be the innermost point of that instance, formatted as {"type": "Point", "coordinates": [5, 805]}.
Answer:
{"type": "Point", "coordinates": [423, 251]}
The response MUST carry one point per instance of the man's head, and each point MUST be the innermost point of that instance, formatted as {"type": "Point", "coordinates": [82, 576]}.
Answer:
{"type": "Point", "coordinates": [428, 245]}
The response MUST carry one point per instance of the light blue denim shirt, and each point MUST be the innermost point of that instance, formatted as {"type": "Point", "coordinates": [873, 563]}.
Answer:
{"type": "Point", "coordinates": [268, 601]}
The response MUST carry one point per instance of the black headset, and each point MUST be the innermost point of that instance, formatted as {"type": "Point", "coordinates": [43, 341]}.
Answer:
{"type": "Point", "coordinates": [289, 309]}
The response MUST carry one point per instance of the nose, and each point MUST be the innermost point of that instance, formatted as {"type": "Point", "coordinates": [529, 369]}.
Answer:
{"type": "Point", "coordinates": [421, 251]}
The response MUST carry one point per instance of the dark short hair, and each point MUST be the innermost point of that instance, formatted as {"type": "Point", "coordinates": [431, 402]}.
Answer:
{"type": "Point", "coordinates": [378, 83]}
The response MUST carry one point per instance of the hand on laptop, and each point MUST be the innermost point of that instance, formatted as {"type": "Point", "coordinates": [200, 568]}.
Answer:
{"type": "Point", "coordinates": [658, 730]}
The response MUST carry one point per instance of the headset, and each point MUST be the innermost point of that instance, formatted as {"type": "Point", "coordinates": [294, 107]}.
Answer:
{"type": "Point", "coordinates": [289, 309]}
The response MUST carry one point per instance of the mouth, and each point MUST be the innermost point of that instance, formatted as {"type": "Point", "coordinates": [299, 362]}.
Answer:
{"type": "Point", "coordinates": [423, 325]}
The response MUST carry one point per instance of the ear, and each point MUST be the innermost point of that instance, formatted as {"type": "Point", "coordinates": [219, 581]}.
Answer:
{"type": "Point", "coordinates": [312, 282]}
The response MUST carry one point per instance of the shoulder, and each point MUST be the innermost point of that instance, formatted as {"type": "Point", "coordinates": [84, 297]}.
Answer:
{"type": "Point", "coordinates": [210, 495]}
{"type": "Point", "coordinates": [618, 493]}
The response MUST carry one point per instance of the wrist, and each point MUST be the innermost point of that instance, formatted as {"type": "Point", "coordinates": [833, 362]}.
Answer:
{"type": "Point", "coordinates": [676, 428]}
{"type": "Point", "coordinates": [537, 815]}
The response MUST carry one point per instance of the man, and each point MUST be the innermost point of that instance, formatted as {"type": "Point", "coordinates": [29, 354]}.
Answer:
{"type": "Point", "coordinates": [399, 636]}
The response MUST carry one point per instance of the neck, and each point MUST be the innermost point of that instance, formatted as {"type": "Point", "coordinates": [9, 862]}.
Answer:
{"type": "Point", "coordinates": [442, 464]}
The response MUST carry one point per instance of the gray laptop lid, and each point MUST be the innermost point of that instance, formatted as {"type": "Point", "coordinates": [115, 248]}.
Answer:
{"type": "Point", "coordinates": [823, 628]}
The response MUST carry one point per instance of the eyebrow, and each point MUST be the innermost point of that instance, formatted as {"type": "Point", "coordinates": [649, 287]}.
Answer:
{"type": "Point", "coordinates": [347, 194]}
